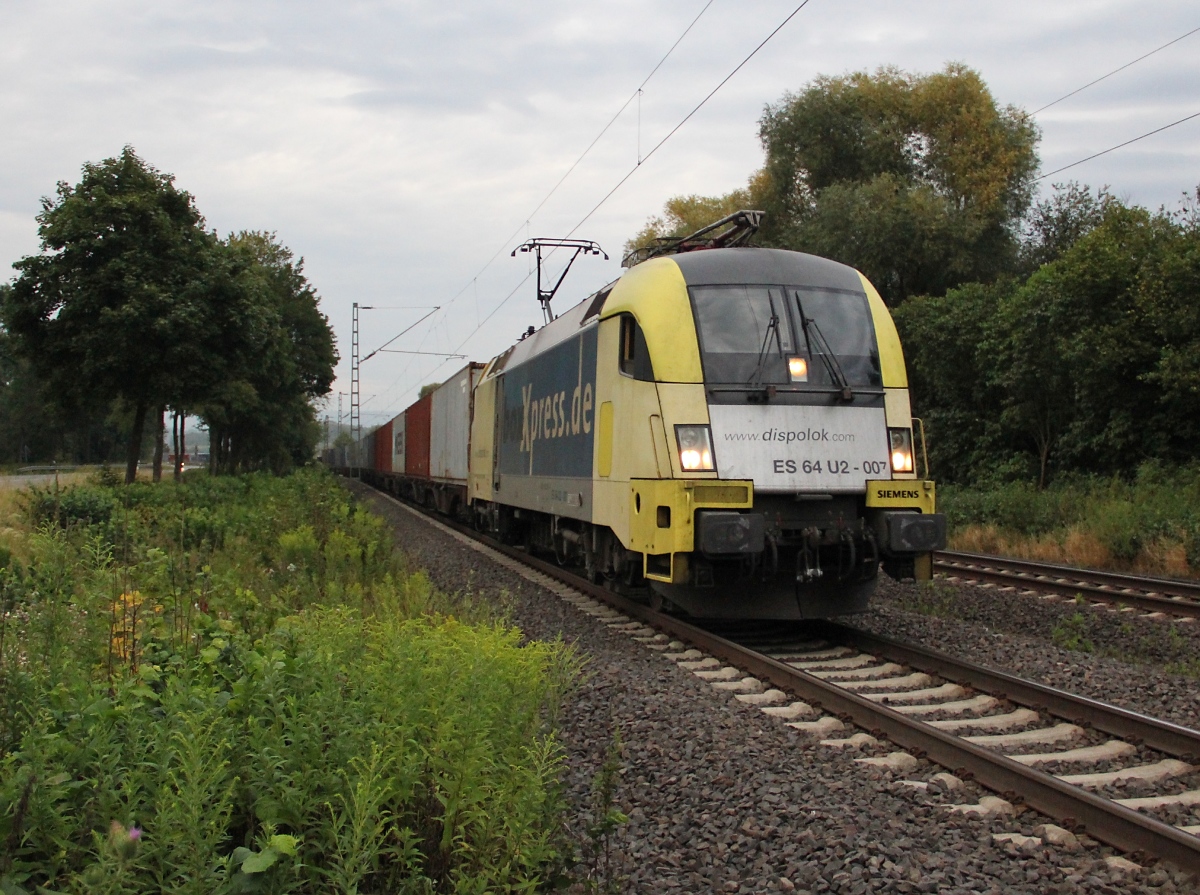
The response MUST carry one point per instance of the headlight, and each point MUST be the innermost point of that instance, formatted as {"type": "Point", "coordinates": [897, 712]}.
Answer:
{"type": "Point", "coordinates": [695, 448]}
{"type": "Point", "coordinates": [798, 369]}
{"type": "Point", "coordinates": [900, 446]}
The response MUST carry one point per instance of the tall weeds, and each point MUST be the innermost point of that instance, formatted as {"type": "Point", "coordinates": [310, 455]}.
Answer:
{"type": "Point", "coordinates": [1149, 523]}
{"type": "Point", "coordinates": [236, 685]}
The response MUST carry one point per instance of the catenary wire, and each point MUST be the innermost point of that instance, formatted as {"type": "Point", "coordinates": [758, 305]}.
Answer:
{"type": "Point", "coordinates": [1157, 130]}
{"type": "Point", "coordinates": [564, 177]}
{"type": "Point", "coordinates": [613, 120]}
{"type": "Point", "coordinates": [1114, 71]}
{"type": "Point", "coordinates": [575, 164]}
{"type": "Point", "coordinates": [634, 169]}
{"type": "Point", "coordinates": [686, 117]}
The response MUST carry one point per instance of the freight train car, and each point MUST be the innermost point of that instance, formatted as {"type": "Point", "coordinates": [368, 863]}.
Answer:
{"type": "Point", "coordinates": [422, 453]}
{"type": "Point", "coordinates": [727, 430]}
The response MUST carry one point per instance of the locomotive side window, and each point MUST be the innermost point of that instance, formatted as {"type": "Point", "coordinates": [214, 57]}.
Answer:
{"type": "Point", "coordinates": [635, 357]}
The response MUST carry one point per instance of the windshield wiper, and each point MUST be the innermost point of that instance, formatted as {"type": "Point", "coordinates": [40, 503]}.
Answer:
{"type": "Point", "coordinates": [760, 366]}
{"type": "Point", "coordinates": [827, 356]}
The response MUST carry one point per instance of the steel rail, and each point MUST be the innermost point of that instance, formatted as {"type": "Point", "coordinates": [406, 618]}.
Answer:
{"type": "Point", "coordinates": [1105, 820]}
{"type": "Point", "coordinates": [1142, 593]}
{"type": "Point", "coordinates": [1179, 587]}
{"type": "Point", "coordinates": [1102, 818]}
{"type": "Point", "coordinates": [1163, 736]}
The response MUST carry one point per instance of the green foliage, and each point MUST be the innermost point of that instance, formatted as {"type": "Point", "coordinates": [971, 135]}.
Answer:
{"type": "Point", "coordinates": [123, 302]}
{"type": "Point", "coordinates": [950, 364]}
{"type": "Point", "coordinates": [1089, 365]}
{"type": "Point", "coordinates": [1060, 220]}
{"type": "Point", "coordinates": [606, 820]}
{"type": "Point", "coordinates": [66, 506]}
{"type": "Point", "coordinates": [683, 215]}
{"type": "Point", "coordinates": [935, 598]}
{"type": "Point", "coordinates": [1124, 516]}
{"type": "Point", "coordinates": [260, 414]}
{"type": "Point", "coordinates": [919, 181]}
{"type": "Point", "coordinates": [273, 705]}
{"type": "Point", "coordinates": [1072, 634]}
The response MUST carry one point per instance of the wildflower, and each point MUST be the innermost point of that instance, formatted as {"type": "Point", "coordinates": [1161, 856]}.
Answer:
{"type": "Point", "coordinates": [123, 841]}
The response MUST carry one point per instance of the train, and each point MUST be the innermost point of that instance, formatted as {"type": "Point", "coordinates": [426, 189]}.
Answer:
{"type": "Point", "coordinates": [725, 430]}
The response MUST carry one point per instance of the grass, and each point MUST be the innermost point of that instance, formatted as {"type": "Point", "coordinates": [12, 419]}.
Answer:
{"type": "Point", "coordinates": [237, 685]}
{"type": "Point", "coordinates": [1148, 525]}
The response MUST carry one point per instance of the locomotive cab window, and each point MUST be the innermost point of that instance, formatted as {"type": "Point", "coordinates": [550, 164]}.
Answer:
{"type": "Point", "coordinates": [746, 334]}
{"type": "Point", "coordinates": [838, 324]}
{"type": "Point", "coordinates": [635, 357]}
{"type": "Point", "coordinates": [775, 335]}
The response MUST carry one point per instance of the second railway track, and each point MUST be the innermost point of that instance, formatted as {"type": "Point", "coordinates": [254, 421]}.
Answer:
{"type": "Point", "coordinates": [999, 730]}
{"type": "Point", "coordinates": [1168, 596]}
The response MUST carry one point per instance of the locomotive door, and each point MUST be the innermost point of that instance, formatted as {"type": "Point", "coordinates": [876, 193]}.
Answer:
{"type": "Point", "coordinates": [497, 430]}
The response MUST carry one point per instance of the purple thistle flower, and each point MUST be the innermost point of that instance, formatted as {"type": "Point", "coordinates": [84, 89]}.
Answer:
{"type": "Point", "coordinates": [135, 834]}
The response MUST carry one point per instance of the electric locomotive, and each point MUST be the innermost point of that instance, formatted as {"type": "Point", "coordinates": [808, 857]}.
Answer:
{"type": "Point", "coordinates": [725, 428]}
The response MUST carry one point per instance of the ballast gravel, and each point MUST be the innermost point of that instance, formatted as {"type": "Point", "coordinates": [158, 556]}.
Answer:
{"type": "Point", "coordinates": [723, 798]}
{"type": "Point", "coordinates": [1014, 632]}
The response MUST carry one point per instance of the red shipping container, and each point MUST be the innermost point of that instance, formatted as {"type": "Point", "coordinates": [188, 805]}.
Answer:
{"type": "Point", "coordinates": [416, 438]}
{"type": "Point", "coordinates": [383, 448]}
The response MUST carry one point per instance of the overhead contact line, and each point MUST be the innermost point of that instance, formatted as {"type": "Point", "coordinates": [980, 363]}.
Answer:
{"type": "Point", "coordinates": [688, 116]}
{"type": "Point", "coordinates": [553, 190]}
{"type": "Point", "coordinates": [643, 159]}
{"type": "Point", "coordinates": [1157, 130]}
{"type": "Point", "coordinates": [1114, 71]}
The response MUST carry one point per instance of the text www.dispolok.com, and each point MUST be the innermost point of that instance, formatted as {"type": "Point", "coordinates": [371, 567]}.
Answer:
{"type": "Point", "coordinates": [788, 436]}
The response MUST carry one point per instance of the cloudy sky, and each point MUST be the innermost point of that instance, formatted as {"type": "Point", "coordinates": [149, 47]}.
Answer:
{"type": "Point", "coordinates": [404, 148]}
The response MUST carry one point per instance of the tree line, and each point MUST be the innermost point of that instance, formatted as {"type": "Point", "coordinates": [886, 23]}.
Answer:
{"type": "Point", "coordinates": [133, 310]}
{"type": "Point", "coordinates": [1043, 337]}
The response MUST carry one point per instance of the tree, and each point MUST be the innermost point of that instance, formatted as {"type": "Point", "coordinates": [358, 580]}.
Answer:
{"type": "Point", "coordinates": [1089, 365]}
{"type": "Point", "coordinates": [1167, 291]}
{"type": "Point", "coordinates": [949, 349]}
{"type": "Point", "coordinates": [1079, 317]}
{"type": "Point", "coordinates": [118, 305]}
{"type": "Point", "coordinates": [920, 181]}
{"type": "Point", "coordinates": [282, 359]}
{"type": "Point", "coordinates": [1056, 223]}
{"type": "Point", "coordinates": [683, 215]}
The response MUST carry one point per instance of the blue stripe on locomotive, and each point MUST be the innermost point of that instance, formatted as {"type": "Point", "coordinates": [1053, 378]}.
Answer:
{"type": "Point", "coordinates": [549, 413]}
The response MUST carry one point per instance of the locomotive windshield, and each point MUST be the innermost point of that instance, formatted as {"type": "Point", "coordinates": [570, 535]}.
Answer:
{"type": "Point", "coordinates": [748, 333]}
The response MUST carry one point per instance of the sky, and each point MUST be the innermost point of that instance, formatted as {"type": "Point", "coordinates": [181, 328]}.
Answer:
{"type": "Point", "coordinates": [404, 149]}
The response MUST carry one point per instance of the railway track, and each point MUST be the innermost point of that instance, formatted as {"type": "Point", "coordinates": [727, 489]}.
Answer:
{"type": "Point", "coordinates": [1168, 596]}
{"type": "Point", "coordinates": [1029, 743]}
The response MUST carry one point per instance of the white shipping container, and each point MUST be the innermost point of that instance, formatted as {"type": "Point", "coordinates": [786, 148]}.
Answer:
{"type": "Point", "coordinates": [450, 425]}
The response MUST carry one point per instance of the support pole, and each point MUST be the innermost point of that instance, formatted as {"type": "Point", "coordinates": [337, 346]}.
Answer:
{"type": "Point", "coordinates": [355, 394]}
